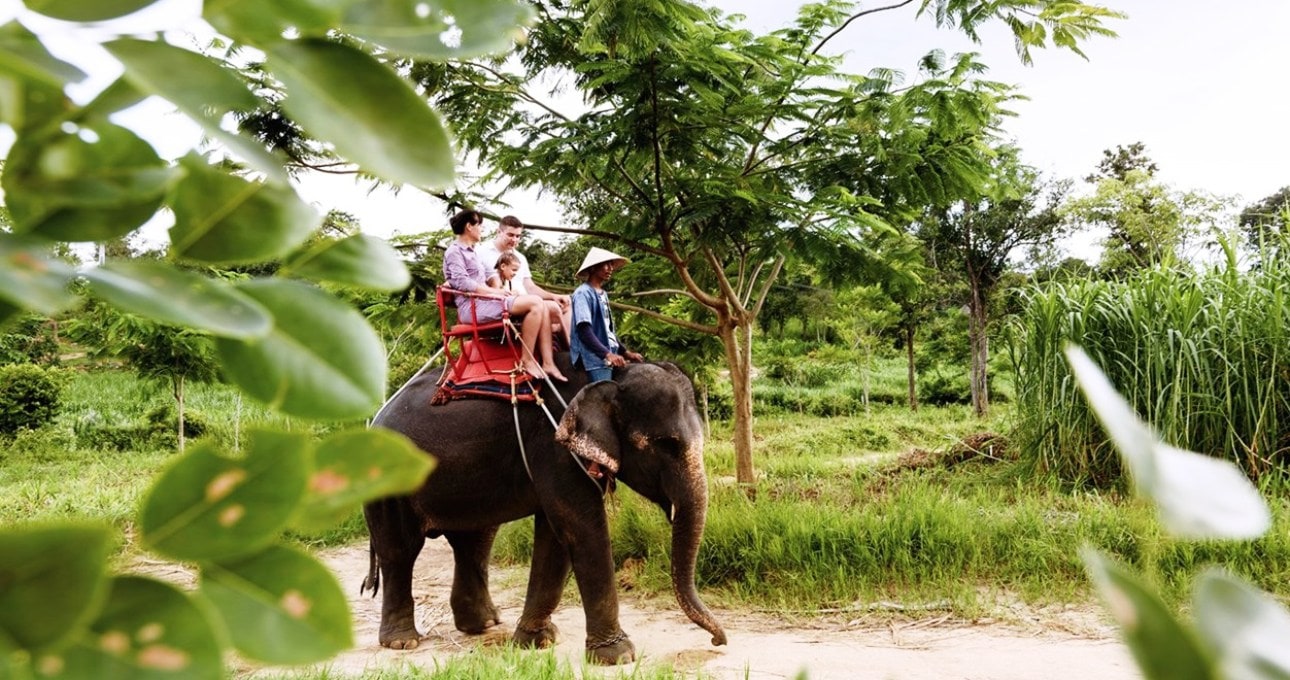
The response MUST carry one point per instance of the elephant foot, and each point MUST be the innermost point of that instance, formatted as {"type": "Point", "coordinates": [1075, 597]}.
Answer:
{"type": "Point", "coordinates": [474, 623]}
{"type": "Point", "coordinates": [539, 637]}
{"type": "Point", "coordinates": [405, 637]}
{"type": "Point", "coordinates": [616, 650]}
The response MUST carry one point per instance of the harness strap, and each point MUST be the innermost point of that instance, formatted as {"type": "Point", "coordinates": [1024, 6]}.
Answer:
{"type": "Point", "coordinates": [404, 386]}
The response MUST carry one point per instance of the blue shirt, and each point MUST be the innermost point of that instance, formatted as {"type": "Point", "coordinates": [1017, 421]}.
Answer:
{"type": "Point", "coordinates": [592, 306]}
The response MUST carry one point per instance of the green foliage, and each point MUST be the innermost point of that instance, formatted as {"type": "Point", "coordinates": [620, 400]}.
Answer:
{"type": "Point", "coordinates": [29, 338]}
{"type": "Point", "coordinates": [1199, 498]}
{"type": "Point", "coordinates": [29, 396]}
{"type": "Point", "coordinates": [73, 175]}
{"type": "Point", "coordinates": [1200, 355]}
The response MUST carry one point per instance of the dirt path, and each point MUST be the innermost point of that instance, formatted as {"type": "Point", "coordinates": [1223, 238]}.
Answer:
{"type": "Point", "coordinates": [1057, 645]}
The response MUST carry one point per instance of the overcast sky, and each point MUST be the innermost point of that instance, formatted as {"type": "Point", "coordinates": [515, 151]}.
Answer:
{"type": "Point", "coordinates": [1200, 83]}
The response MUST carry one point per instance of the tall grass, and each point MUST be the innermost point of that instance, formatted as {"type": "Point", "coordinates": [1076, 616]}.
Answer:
{"type": "Point", "coordinates": [1203, 356]}
{"type": "Point", "coordinates": [498, 662]}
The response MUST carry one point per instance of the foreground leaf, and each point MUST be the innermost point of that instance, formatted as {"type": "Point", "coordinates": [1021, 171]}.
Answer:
{"type": "Point", "coordinates": [22, 54]}
{"type": "Point", "coordinates": [1246, 628]}
{"type": "Point", "coordinates": [94, 183]}
{"type": "Point", "coordinates": [351, 468]}
{"type": "Point", "coordinates": [80, 10]}
{"type": "Point", "coordinates": [206, 506]}
{"type": "Point", "coordinates": [372, 116]}
{"type": "Point", "coordinates": [200, 88]}
{"type": "Point", "coordinates": [261, 23]}
{"type": "Point", "coordinates": [281, 606]}
{"type": "Point", "coordinates": [1163, 649]}
{"type": "Point", "coordinates": [148, 629]}
{"type": "Point", "coordinates": [1198, 496]}
{"type": "Point", "coordinates": [160, 292]}
{"type": "Point", "coordinates": [359, 260]}
{"type": "Point", "coordinates": [30, 278]}
{"type": "Point", "coordinates": [321, 360]}
{"type": "Point", "coordinates": [223, 219]}
{"type": "Point", "coordinates": [52, 581]}
{"type": "Point", "coordinates": [441, 30]}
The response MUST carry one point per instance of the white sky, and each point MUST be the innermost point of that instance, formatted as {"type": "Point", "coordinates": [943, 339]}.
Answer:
{"type": "Point", "coordinates": [1200, 83]}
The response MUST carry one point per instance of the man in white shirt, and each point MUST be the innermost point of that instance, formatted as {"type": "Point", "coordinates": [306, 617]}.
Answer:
{"type": "Point", "coordinates": [509, 232]}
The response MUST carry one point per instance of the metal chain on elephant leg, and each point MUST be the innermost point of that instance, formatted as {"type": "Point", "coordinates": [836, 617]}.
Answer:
{"type": "Point", "coordinates": [607, 643]}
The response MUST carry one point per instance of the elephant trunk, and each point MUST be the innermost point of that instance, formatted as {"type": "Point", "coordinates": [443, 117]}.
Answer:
{"type": "Point", "coordinates": [687, 533]}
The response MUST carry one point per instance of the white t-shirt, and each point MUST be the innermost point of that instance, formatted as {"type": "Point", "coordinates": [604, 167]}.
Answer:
{"type": "Point", "coordinates": [487, 254]}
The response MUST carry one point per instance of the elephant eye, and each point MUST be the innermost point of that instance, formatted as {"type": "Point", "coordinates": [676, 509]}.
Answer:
{"type": "Point", "coordinates": [668, 446]}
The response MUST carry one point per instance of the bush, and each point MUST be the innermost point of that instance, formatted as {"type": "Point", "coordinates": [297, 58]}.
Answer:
{"type": "Point", "coordinates": [29, 396]}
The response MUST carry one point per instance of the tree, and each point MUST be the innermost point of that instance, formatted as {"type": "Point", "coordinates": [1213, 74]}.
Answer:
{"type": "Point", "coordinates": [1117, 163]}
{"type": "Point", "coordinates": [976, 239]}
{"type": "Point", "coordinates": [1265, 221]}
{"type": "Point", "coordinates": [725, 154]}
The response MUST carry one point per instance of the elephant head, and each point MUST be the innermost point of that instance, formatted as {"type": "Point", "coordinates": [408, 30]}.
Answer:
{"type": "Point", "coordinates": [645, 428]}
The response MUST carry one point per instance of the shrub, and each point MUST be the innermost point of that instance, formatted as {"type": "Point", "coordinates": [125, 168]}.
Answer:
{"type": "Point", "coordinates": [29, 396]}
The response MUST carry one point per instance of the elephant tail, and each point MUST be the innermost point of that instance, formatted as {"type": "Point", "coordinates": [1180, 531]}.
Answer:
{"type": "Point", "coordinates": [373, 580]}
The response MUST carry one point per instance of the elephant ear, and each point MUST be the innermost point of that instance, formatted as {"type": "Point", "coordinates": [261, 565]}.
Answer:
{"type": "Point", "coordinates": [587, 428]}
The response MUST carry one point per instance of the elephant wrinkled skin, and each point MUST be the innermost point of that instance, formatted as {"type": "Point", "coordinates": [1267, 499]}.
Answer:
{"type": "Point", "coordinates": [643, 428]}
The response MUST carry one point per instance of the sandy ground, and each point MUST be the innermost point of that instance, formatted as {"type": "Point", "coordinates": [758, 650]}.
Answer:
{"type": "Point", "coordinates": [1069, 643]}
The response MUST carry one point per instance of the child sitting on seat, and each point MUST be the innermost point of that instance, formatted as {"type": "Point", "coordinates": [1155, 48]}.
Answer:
{"type": "Point", "coordinates": [508, 265]}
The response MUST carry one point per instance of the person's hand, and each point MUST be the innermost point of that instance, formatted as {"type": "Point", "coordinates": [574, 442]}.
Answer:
{"type": "Point", "coordinates": [634, 356]}
{"type": "Point", "coordinates": [615, 360]}
{"type": "Point", "coordinates": [564, 301]}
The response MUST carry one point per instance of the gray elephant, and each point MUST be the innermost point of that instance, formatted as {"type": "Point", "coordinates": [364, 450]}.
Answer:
{"type": "Point", "coordinates": [643, 429]}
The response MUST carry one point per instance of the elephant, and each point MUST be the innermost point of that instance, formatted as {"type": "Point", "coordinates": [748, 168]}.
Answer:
{"type": "Point", "coordinates": [642, 428]}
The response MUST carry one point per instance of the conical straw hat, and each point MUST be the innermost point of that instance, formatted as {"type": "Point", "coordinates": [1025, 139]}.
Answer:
{"type": "Point", "coordinates": [597, 256]}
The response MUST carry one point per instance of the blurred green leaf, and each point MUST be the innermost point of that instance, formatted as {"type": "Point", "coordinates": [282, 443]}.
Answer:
{"type": "Point", "coordinates": [359, 260]}
{"type": "Point", "coordinates": [371, 115]}
{"type": "Point", "coordinates": [439, 30]}
{"type": "Point", "coordinates": [262, 23]}
{"type": "Point", "coordinates": [1198, 496]}
{"type": "Point", "coordinates": [1246, 628]}
{"type": "Point", "coordinates": [353, 467]}
{"type": "Point", "coordinates": [52, 581]}
{"type": "Point", "coordinates": [118, 96]}
{"type": "Point", "coordinates": [147, 630]}
{"type": "Point", "coordinates": [23, 55]}
{"type": "Point", "coordinates": [200, 88]}
{"type": "Point", "coordinates": [281, 605]}
{"type": "Point", "coordinates": [93, 183]}
{"type": "Point", "coordinates": [30, 278]}
{"type": "Point", "coordinates": [1163, 649]}
{"type": "Point", "coordinates": [207, 506]}
{"type": "Point", "coordinates": [160, 292]}
{"type": "Point", "coordinates": [320, 361]}
{"type": "Point", "coordinates": [220, 218]}
{"type": "Point", "coordinates": [80, 10]}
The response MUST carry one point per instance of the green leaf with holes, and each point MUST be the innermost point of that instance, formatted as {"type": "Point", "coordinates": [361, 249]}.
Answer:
{"type": "Point", "coordinates": [439, 30]}
{"type": "Point", "coordinates": [148, 630]}
{"type": "Point", "coordinates": [224, 219]}
{"type": "Point", "coordinates": [372, 116]}
{"type": "Point", "coordinates": [161, 292]}
{"type": "Point", "coordinates": [209, 506]}
{"type": "Point", "coordinates": [92, 183]}
{"type": "Point", "coordinates": [30, 278]}
{"type": "Point", "coordinates": [359, 260]}
{"type": "Point", "coordinates": [81, 10]}
{"type": "Point", "coordinates": [351, 468]}
{"type": "Point", "coordinates": [321, 360]}
{"type": "Point", "coordinates": [1163, 648]}
{"type": "Point", "coordinates": [1246, 627]}
{"type": "Point", "coordinates": [281, 606]}
{"type": "Point", "coordinates": [52, 581]}
{"type": "Point", "coordinates": [200, 88]}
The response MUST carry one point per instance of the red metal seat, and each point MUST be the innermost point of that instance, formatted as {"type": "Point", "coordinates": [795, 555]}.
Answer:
{"type": "Point", "coordinates": [484, 359]}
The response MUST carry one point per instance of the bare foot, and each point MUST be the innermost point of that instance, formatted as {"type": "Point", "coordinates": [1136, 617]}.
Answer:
{"type": "Point", "coordinates": [535, 370]}
{"type": "Point", "coordinates": [555, 374]}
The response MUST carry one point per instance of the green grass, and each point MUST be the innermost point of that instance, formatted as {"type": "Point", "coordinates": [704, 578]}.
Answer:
{"type": "Point", "coordinates": [496, 662]}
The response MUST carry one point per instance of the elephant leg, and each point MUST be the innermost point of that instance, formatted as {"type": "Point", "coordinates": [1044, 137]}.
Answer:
{"type": "Point", "coordinates": [473, 610]}
{"type": "Point", "coordinates": [547, 576]}
{"type": "Point", "coordinates": [397, 540]}
{"type": "Point", "coordinates": [585, 536]}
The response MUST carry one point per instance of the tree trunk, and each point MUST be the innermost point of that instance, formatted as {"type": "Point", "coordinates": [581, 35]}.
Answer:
{"type": "Point", "coordinates": [179, 408]}
{"type": "Point", "coordinates": [980, 352]}
{"type": "Point", "coordinates": [910, 372]}
{"type": "Point", "coordinates": [736, 339]}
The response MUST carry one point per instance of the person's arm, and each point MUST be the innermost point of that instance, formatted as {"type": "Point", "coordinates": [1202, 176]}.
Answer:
{"type": "Point", "coordinates": [590, 341]}
{"type": "Point", "coordinates": [455, 273]}
{"type": "Point", "coordinates": [532, 287]}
